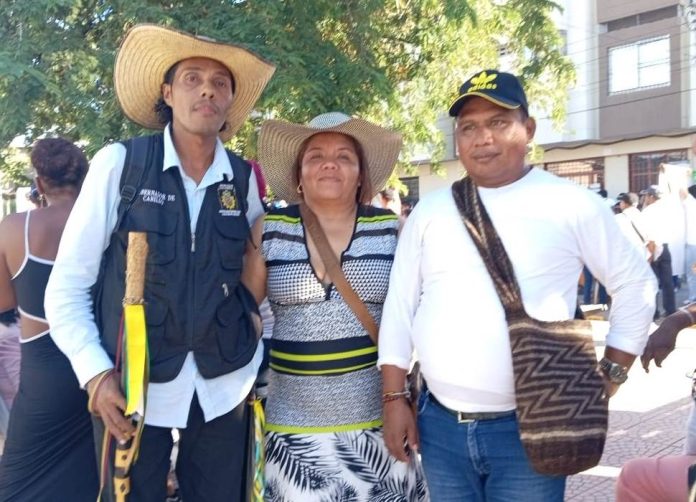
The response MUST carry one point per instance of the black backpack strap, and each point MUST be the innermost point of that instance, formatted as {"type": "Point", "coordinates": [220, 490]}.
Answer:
{"type": "Point", "coordinates": [241, 170]}
{"type": "Point", "coordinates": [139, 153]}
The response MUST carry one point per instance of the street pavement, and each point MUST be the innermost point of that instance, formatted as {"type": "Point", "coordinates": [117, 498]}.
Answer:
{"type": "Point", "coordinates": [647, 417]}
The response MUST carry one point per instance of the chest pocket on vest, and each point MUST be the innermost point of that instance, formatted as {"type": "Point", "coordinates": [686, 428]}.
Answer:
{"type": "Point", "coordinates": [233, 232]}
{"type": "Point", "coordinates": [160, 227]}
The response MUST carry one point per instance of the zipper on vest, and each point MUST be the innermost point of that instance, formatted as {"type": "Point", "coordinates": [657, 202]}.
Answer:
{"type": "Point", "coordinates": [191, 296]}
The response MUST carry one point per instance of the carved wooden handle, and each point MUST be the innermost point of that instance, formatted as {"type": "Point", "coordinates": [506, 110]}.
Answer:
{"type": "Point", "coordinates": [136, 259]}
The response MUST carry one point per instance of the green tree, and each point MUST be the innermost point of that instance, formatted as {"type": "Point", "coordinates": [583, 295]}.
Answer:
{"type": "Point", "coordinates": [398, 62]}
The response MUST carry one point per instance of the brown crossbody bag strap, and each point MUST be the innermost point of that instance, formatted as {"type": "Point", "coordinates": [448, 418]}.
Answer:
{"type": "Point", "coordinates": [334, 268]}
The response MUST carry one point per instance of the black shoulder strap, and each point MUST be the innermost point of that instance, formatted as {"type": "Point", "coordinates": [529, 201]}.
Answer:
{"type": "Point", "coordinates": [241, 171]}
{"type": "Point", "coordinates": [636, 229]}
{"type": "Point", "coordinates": [139, 152]}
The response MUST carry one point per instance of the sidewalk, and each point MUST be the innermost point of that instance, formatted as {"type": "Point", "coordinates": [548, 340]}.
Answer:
{"type": "Point", "coordinates": [647, 417]}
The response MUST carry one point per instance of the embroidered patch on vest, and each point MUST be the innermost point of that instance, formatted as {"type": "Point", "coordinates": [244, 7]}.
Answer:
{"type": "Point", "coordinates": [155, 196]}
{"type": "Point", "coordinates": [227, 196]}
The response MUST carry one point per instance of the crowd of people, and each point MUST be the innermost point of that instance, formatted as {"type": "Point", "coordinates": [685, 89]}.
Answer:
{"type": "Point", "coordinates": [345, 290]}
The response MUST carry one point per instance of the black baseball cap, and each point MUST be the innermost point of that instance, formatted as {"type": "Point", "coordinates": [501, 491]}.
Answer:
{"type": "Point", "coordinates": [653, 190]}
{"type": "Point", "coordinates": [625, 198]}
{"type": "Point", "coordinates": [501, 88]}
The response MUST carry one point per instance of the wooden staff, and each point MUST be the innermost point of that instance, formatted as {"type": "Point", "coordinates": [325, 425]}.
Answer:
{"type": "Point", "coordinates": [135, 365]}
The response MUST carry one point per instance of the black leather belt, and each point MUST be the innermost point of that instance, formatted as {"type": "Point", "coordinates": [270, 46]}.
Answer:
{"type": "Point", "coordinates": [464, 417]}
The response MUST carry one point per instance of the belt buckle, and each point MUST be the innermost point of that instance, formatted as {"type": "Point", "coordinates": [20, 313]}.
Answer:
{"type": "Point", "coordinates": [461, 420]}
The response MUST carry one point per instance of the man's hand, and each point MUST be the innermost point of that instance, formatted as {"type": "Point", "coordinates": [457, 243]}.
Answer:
{"type": "Point", "coordinates": [610, 388]}
{"type": "Point", "coordinates": [109, 404]}
{"type": "Point", "coordinates": [661, 343]}
{"type": "Point", "coordinates": [400, 432]}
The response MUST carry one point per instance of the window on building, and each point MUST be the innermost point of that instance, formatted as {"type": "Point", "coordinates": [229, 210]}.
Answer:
{"type": "Point", "coordinates": [585, 172]}
{"type": "Point", "coordinates": [413, 188]}
{"type": "Point", "coordinates": [643, 18]}
{"type": "Point", "coordinates": [644, 168]}
{"type": "Point", "coordinates": [640, 65]}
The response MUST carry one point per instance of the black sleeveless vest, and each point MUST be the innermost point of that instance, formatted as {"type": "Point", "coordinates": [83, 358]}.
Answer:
{"type": "Point", "coordinates": [194, 300]}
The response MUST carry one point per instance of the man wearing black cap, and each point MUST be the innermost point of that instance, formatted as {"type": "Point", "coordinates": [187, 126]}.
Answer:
{"type": "Point", "coordinates": [443, 304]}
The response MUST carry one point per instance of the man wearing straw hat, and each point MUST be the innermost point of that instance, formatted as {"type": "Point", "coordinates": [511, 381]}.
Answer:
{"type": "Point", "coordinates": [195, 201]}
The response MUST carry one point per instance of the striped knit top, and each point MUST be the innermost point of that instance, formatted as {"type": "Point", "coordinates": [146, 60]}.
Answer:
{"type": "Point", "coordinates": [324, 376]}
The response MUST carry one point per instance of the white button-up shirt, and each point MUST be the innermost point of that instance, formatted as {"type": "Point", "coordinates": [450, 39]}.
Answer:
{"type": "Point", "coordinates": [442, 301]}
{"type": "Point", "coordinates": [69, 304]}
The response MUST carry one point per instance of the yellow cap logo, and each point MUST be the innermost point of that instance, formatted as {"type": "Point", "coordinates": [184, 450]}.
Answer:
{"type": "Point", "coordinates": [483, 81]}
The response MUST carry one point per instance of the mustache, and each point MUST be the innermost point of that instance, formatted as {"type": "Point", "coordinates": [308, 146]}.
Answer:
{"type": "Point", "coordinates": [201, 103]}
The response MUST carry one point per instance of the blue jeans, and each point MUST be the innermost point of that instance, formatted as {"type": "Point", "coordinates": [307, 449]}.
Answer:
{"type": "Point", "coordinates": [483, 460]}
{"type": "Point", "coordinates": [587, 289]}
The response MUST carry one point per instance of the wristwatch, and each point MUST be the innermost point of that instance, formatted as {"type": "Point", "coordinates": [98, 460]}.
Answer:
{"type": "Point", "coordinates": [614, 371]}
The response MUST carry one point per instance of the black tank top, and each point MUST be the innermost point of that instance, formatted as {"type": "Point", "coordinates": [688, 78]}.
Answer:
{"type": "Point", "coordinates": [30, 281]}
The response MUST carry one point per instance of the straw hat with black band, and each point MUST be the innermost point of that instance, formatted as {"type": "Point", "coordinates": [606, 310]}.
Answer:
{"type": "Point", "coordinates": [280, 142]}
{"type": "Point", "coordinates": [149, 50]}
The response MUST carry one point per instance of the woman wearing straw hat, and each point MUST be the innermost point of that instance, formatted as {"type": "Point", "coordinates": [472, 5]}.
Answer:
{"type": "Point", "coordinates": [324, 420]}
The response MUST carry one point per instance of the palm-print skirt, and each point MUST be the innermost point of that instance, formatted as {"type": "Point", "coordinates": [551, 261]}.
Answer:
{"type": "Point", "coordinates": [352, 466]}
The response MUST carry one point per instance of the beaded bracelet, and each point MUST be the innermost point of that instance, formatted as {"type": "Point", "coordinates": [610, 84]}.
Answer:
{"type": "Point", "coordinates": [393, 396]}
{"type": "Point", "coordinates": [686, 311]}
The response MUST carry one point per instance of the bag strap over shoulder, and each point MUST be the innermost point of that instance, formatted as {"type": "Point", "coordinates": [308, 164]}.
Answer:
{"type": "Point", "coordinates": [139, 153]}
{"type": "Point", "coordinates": [486, 239]}
{"type": "Point", "coordinates": [334, 268]}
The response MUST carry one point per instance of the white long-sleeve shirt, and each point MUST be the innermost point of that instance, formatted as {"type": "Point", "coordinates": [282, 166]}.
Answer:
{"type": "Point", "coordinates": [442, 302]}
{"type": "Point", "coordinates": [69, 305]}
{"type": "Point", "coordinates": [630, 224]}
{"type": "Point", "coordinates": [689, 204]}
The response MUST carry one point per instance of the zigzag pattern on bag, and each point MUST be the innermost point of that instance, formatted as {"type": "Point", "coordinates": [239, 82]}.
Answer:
{"type": "Point", "coordinates": [566, 392]}
{"type": "Point", "coordinates": [561, 407]}
{"type": "Point", "coordinates": [559, 392]}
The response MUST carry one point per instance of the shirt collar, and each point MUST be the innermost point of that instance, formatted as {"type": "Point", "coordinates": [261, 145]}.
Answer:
{"type": "Point", "coordinates": [216, 170]}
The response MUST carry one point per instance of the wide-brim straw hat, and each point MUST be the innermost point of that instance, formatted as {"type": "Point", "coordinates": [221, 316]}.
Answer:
{"type": "Point", "coordinates": [280, 142]}
{"type": "Point", "coordinates": [149, 50]}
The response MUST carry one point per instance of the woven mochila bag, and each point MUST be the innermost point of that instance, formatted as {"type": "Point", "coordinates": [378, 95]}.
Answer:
{"type": "Point", "coordinates": [561, 405]}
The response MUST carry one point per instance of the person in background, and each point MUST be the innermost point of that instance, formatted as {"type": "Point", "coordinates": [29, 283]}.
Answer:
{"type": "Point", "coordinates": [629, 221]}
{"type": "Point", "coordinates": [664, 478]}
{"type": "Point", "coordinates": [9, 364]}
{"type": "Point", "coordinates": [49, 450]}
{"type": "Point", "coordinates": [689, 203]}
{"type": "Point", "coordinates": [653, 217]}
{"type": "Point", "coordinates": [323, 411]}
